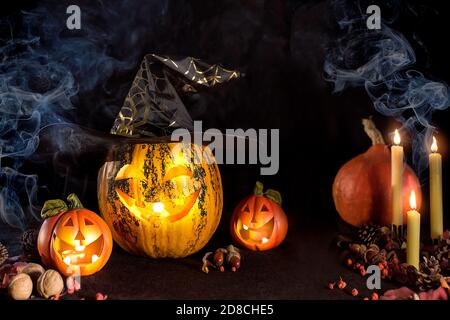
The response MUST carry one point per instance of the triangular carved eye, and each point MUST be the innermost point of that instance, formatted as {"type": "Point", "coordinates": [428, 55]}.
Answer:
{"type": "Point", "coordinates": [264, 208]}
{"type": "Point", "coordinates": [69, 223]}
{"type": "Point", "coordinates": [246, 208]}
{"type": "Point", "coordinates": [88, 222]}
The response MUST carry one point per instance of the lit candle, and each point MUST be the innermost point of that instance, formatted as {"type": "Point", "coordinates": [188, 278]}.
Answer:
{"type": "Point", "coordinates": [396, 180]}
{"type": "Point", "coordinates": [413, 234]}
{"type": "Point", "coordinates": [436, 210]}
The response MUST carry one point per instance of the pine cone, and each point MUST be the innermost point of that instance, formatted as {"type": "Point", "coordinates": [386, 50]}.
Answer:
{"type": "Point", "coordinates": [429, 276]}
{"type": "Point", "coordinates": [29, 242]}
{"type": "Point", "coordinates": [398, 236]}
{"type": "Point", "coordinates": [442, 252]}
{"type": "Point", "coordinates": [3, 254]}
{"type": "Point", "coordinates": [370, 233]}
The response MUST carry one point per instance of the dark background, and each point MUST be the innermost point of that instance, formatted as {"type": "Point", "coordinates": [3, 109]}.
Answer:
{"type": "Point", "coordinates": [280, 46]}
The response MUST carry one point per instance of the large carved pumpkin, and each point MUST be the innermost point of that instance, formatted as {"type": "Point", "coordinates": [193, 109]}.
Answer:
{"type": "Point", "coordinates": [362, 187]}
{"type": "Point", "coordinates": [73, 239]}
{"type": "Point", "coordinates": [160, 200]}
{"type": "Point", "coordinates": [258, 222]}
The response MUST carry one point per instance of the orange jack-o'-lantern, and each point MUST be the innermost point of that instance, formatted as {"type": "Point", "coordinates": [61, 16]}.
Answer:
{"type": "Point", "coordinates": [73, 239]}
{"type": "Point", "coordinates": [161, 200]}
{"type": "Point", "coordinates": [258, 222]}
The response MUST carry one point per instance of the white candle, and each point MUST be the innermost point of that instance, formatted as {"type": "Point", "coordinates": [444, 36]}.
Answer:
{"type": "Point", "coordinates": [396, 180]}
{"type": "Point", "coordinates": [413, 234]}
{"type": "Point", "coordinates": [436, 207]}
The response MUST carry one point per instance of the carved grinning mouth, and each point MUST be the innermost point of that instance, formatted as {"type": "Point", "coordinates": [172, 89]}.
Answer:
{"type": "Point", "coordinates": [78, 255]}
{"type": "Point", "coordinates": [146, 210]}
{"type": "Point", "coordinates": [256, 235]}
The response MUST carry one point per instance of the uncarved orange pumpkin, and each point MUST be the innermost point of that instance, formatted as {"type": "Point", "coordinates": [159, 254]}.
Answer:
{"type": "Point", "coordinates": [258, 222]}
{"type": "Point", "coordinates": [362, 187]}
{"type": "Point", "coordinates": [73, 239]}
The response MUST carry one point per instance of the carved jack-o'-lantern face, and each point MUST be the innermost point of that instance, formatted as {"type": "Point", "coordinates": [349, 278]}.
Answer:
{"type": "Point", "coordinates": [77, 242]}
{"type": "Point", "coordinates": [258, 222]}
{"type": "Point", "coordinates": [171, 197]}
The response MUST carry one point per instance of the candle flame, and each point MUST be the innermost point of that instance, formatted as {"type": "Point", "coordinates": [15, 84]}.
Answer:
{"type": "Point", "coordinates": [434, 146]}
{"type": "Point", "coordinates": [158, 207]}
{"type": "Point", "coordinates": [412, 200]}
{"type": "Point", "coordinates": [67, 260]}
{"type": "Point", "coordinates": [397, 138]}
{"type": "Point", "coordinates": [264, 240]}
{"type": "Point", "coordinates": [94, 258]}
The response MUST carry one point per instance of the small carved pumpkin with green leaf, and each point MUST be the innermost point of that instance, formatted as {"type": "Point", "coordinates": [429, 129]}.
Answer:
{"type": "Point", "coordinates": [258, 222]}
{"type": "Point", "coordinates": [73, 239]}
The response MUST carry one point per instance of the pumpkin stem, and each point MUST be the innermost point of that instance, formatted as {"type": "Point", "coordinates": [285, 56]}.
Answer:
{"type": "Point", "coordinates": [371, 130]}
{"type": "Point", "coordinates": [53, 207]}
{"type": "Point", "coordinates": [270, 193]}
{"type": "Point", "coordinates": [259, 188]}
{"type": "Point", "coordinates": [74, 201]}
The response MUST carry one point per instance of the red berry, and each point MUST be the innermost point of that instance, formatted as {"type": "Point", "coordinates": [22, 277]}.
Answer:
{"type": "Point", "coordinates": [331, 286]}
{"type": "Point", "coordinates": [362, 271]}
{"type": "Point", "coordinates": [375, 296]}
{"type": "Point", "coordinates": [366, 298]}
{"type": "Point", "coordinates": [72, 285]}
{"type": "Point", "coordinates": [342, 284]}
{"type": "Point", "coordinates": [355, 292]}
{"type": "Point", "coordinates": [100, 296]}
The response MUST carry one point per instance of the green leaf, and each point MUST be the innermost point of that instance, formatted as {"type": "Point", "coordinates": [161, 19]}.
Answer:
{"type": "Point", "coordinates": [53, 207]}
{"type": "Point", "coordinates": [274, 196]}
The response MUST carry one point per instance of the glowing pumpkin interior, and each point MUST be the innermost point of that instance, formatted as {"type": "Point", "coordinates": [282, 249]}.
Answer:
{"type": "Point", "coordinates": [256, 221]}
{"type": "Point", "coordinates": [170, 197]}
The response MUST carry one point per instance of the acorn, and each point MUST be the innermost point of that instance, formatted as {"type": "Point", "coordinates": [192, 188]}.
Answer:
{"type": "Point", "coordinates": [355, 248]}
{"type": "Point", "coordinates": [233, 257]}
{"type": "Point", "coordinates": [219, 258]}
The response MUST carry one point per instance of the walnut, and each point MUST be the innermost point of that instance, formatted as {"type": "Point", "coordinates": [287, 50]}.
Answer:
{"type": "Point", "coordinates": [50, 283]}
{"type": "Point", "coordinates": [20, 287]}
{"type": "Point", "coordinates": [34, 270]}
